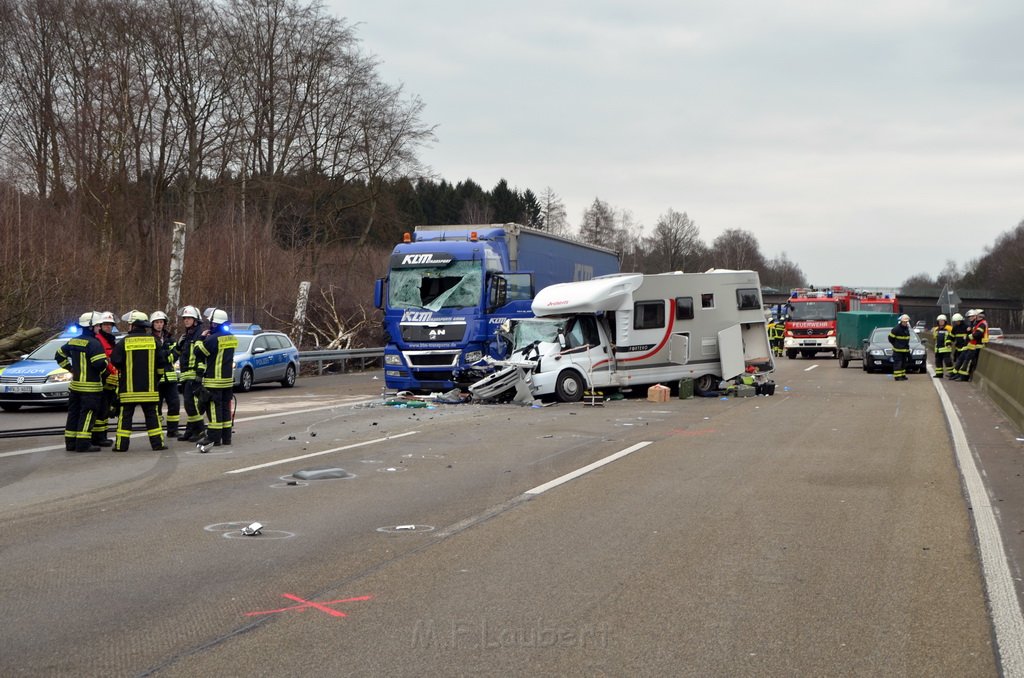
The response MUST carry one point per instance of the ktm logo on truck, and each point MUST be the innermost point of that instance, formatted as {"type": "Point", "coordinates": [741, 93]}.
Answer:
{"type": "Point", "coordinates": [428, 259]}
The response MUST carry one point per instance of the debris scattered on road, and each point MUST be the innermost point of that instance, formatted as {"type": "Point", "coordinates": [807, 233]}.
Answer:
{"type": "Point", "coordinates": [252, 529]}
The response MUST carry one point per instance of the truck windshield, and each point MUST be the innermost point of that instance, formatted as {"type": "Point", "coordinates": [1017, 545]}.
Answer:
{"type": "Point", "coordinates": [812, 310]}
{"type": "Point", "coordinates": [458, 285]}
{"type": "Point", "coordinates": [535, 329]}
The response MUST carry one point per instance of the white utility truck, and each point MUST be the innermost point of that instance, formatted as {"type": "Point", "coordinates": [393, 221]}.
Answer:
{"type": "Point", "coordinates": [630, 329]}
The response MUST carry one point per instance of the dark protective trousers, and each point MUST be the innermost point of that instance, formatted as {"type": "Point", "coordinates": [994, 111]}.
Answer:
{"type": "Point", "coordinates": [899, 363]}
{"type": "Point", "coordinates": [944, 363]}
{"type": "Point", "coordinates": [219, 428]}
{"type": "Point", "coordinates": [83, 412]}
{"type": "Point", "coordinates": [169, 395]}
{"type": "Point", "coordinates": [193, 412]}
{"type": "Point", "coordinates": [124, 426]}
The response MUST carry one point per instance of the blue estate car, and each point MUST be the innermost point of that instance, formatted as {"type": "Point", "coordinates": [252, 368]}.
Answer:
{"type": "Point", "coordinates": [36, 379]}
{"type": "Point", "coordinates": [264, 356]}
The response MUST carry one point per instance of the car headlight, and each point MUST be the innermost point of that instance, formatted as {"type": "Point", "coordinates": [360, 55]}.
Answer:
{"type": "Point", "coordinates": [392, 359]}
{"type": "Point", "coordinates": [876, 352]}
{"type": "Point", "coordinates": [58, 378]}
{"type": "Point", "coordinates": [473, 356]}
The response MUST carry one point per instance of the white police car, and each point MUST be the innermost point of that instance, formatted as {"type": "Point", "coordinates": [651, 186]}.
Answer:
{"type": "Point", "coordinates": [264, 356]}
{"type": "Point", "coordinates": [36, 379]}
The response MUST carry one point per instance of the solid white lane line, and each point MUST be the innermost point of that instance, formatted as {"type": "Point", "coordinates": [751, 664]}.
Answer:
{"type": "Point", "coordinates": [587, 469]}
{"type": "Point", "coordinates": [317, 454]}
{"type": "Point", "coordinates": [811, 367]}
{"type": "Point", "coordinates": [1002, 594]}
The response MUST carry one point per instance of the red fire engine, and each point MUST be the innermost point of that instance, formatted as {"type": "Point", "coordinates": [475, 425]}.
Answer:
{"type": "Point", "coordinates": [811, 325]}
{"type": "Point", "coordinates": [876, 301]}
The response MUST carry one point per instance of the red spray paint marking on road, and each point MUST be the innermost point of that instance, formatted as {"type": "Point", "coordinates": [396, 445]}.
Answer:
{"type": "Point", "coordinates": [310, 605]}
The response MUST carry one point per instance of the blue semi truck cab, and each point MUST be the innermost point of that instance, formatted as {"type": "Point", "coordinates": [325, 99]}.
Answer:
{"type": "Point", "coordinates": [450, 288]}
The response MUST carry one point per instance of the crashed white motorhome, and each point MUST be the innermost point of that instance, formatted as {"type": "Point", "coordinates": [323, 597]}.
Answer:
{"type": "Point", "coordinates": [625, 330]}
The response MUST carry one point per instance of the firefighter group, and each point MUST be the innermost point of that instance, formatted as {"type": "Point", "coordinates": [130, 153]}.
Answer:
{"type": "Point", "coordinates": [111, 375]}
{"type": "Point", "coordinates": [957, 346]}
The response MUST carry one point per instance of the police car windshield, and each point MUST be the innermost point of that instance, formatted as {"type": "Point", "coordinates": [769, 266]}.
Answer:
{"type": "Point", "coordinates": [458, 285]}
{"type": "Point", "coordinates": [812, 310]}
{"type": "Point", "coordinates": [244, 342]}
{"type": "Point", "coordinates": [47, 351]}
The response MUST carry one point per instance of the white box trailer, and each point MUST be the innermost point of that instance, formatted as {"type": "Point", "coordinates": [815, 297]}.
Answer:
{"type": "Point", "coordinates": [626, 330]}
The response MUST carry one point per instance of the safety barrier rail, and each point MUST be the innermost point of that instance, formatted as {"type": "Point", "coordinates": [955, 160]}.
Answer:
{"type": "Point", "coordinates": [322, 358]}
{"type": "Point", "coordinates": [1000, 375]}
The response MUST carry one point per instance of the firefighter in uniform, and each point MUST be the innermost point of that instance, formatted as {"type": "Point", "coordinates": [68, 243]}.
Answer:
{"type": "Point", "coordinates": [977, 339]}
{"type": "Point", "coordinates": [215, 357]}
{"type": "Point", "coordinates": [108, 409]}
{"type": "Point", "coordinates": [187, 367]}
{"type": "Point", "coordinates": [899, 337]}
{"type": "Point", "coordinates": [83, 356]}
{"type": "Point", "coordinates": [962, 367]}
{"type": "Point", "coordinates": [140, 363]}
{"type": "Point", "coordinates": [776, 334]}
{"type": "Point", "coordinates": [168, 386]}
{"type": "Point", "coordinates": [942, 338]}
{"type": "Point", "coordinates": [959, 334]}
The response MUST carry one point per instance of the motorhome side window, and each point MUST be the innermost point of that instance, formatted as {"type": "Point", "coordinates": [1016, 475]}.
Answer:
{"type": "Point", "coordinates": [707, 301]}
{"type": "Point", "coordinates": [684, 308]}
{"type": "Point", "coordinates": [648, 315]}
{"type": "Point", "coordinates": [748, 299]}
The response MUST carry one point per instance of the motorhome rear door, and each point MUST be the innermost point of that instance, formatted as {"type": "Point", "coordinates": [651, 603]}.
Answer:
{"type": "Point", "coordinates": [730, 351]}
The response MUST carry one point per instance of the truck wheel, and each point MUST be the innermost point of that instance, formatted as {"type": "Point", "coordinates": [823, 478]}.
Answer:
{"type": "Point", "coordinates": [569, 387]}
{"type": "Point", "coordinates": [791, 353]}
{"type": "Point", "coordinates": [843, 362]}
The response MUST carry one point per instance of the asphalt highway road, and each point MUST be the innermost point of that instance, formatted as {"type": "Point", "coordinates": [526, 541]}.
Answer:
{"type": "Point", "coordinates": [821, 531]}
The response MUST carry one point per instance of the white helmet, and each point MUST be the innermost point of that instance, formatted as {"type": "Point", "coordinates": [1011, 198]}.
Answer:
{"type": "Point", "coordinates": [904, 317]}
{"type": "Point", "coordinates": [189, 312]}
{"type": "Point", "coordinates": [157, 315]}
{"type": "Point", "coordinates": [89, 319]}
{"type": "Point", "coordinates": [942, 317]}
{"type": "Point", "coordinates": [957, 318]}
{"type": "Point", "coordinates": [979, 311]}
{"type": "Point", "coordinates": [107, 317]}
{"type": "Point", "coordinates": [136, 318]}
{"type": "Point", "coordinates": [217, 316]}
{"type": "Point", "coordinates": [971, 313]}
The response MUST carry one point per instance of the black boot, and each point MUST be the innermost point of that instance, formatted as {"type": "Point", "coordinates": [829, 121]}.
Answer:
{"type": "Point", "coordinates": [172, 430]}
{"type": "Point", "coordinates": [225, 437]}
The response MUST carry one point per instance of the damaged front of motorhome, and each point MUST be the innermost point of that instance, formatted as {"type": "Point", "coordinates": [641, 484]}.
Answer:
{"type": "Point", "coordinates": [627, 330]}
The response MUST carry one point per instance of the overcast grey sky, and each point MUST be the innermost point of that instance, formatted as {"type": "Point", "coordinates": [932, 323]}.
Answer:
{"type": "Point", "coordinates": [868, 140]}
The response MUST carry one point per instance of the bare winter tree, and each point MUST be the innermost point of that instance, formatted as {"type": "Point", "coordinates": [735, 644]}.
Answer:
{"type": "Point", "coordinates": [737, 249]}
{"type": "Point", "coordinates": [389, 133]}
{"type": "Point", "coordinates": [782, 274]}
{"type": "Point", "coordinates": [675, 239]}
{"type": "Point", "coordinates": [554, 218]}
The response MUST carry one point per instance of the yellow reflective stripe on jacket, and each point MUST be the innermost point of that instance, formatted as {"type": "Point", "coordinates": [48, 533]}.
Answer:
{"type": "Point", "coordinates": [223, 372]}
{"type": "Point", "coordinates": [140, 354]}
